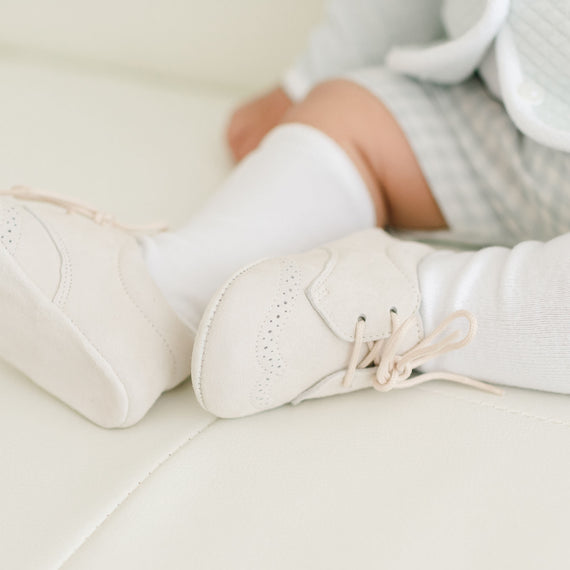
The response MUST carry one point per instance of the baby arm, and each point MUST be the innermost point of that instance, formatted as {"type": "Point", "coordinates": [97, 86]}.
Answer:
{"type": "Point", "coordinates": [253, 120]}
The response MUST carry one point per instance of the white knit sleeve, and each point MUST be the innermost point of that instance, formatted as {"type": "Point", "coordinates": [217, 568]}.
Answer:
{"type": "Point", "coordinates": [359, 33]}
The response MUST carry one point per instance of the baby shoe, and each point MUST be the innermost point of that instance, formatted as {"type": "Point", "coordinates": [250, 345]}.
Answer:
{"type": "Point", "coordinates": [80, 314]}
{"type": "Point", "coordinates": [335, 319]}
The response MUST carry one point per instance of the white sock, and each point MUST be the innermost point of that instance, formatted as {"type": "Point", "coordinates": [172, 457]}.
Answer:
{"type": "Point", "coordinates": [521, 299]}
{"type": "Point", "coordinates": [296, 191]}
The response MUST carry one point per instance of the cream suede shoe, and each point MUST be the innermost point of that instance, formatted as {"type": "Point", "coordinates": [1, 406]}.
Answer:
{"type": "Point", "coordinates": [332, 320]}
{"type": "Point", "coordinates": [79, 313]}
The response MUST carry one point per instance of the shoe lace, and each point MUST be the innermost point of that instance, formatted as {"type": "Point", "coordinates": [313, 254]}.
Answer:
{"type": "Point", "coordinates": [394, 370]}
{"type": "Point", "coordinates": [74, 206]}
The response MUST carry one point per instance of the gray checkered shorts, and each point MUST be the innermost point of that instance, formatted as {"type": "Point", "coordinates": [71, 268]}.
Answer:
{"type": "Point", "coordinates": [493, 184]}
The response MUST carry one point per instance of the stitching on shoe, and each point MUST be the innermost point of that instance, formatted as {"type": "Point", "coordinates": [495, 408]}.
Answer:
{"type": "Point", "coordinates": [268, 355]}
{"type": "Point", "coordinates": [66, 271]}
{"type": "Point", "coordinates": [139, 484]}
{"type": "Point", "coordinates": [145, 317]}
{"type": "Point", "coordinates": [10, 219]}
{"type": "Point", "coordinates": [62, 294]}
{"type": "Point", "coordinates": [196, 383]}
{"type": "Point", "coordinates": [19, 236]}
{"type": "Point", "coordinates": [326, 313]}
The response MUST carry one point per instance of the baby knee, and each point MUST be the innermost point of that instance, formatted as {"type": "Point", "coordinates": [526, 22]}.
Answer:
{"type": "Point", "coordinates": [345, 112]}
{"type": "Point", "coordinates": [332, 107]}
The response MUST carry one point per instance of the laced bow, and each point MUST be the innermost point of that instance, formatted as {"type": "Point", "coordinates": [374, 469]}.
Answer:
{"type": "Point", "coordinates": [73, 206]}
{"type": "Point", "coordinates": [394, 370]}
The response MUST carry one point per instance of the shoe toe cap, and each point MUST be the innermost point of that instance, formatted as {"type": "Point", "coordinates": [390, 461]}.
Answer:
{"type": "Point", "coordinates": [237, 356]}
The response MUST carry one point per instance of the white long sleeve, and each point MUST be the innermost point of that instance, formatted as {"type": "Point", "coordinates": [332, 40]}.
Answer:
{"type": "Point", "coordinates": [359, 33]}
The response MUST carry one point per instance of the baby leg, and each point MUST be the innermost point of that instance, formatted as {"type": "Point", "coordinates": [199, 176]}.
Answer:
{"type": "Point", "coordinates": [337, 165]}
{"type": "Point", "coordinates": [367, 310]}
{"type": "Point", "coordinates": [363, 126]}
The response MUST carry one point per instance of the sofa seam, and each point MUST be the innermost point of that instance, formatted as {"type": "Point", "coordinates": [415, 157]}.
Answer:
{"type": "Point", "coordinates": [132, 490]}
{"type": "Point", "coordinates": [504, 409]}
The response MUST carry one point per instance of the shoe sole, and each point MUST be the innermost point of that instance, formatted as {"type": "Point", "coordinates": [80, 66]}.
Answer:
{"type": "Point", "coordinates": [59, 357]}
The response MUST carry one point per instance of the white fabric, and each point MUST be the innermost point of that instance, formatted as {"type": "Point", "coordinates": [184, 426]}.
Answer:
{"type": "Point", "coordinates": [521, 298]}
{"type": "Point", "coordinates": [298, 189]}
{"type": "Point", "coordinates": [471, 27]}
{"type": "Point", "coordinates": [359, 33]}
{"type": "Point", "coordinates": [528, 68]}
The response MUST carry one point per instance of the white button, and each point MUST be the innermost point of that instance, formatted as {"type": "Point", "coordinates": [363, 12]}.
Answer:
{"type": "Point", "coordinates": [531, 92]}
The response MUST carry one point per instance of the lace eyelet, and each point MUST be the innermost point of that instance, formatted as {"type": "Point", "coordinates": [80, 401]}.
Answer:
{"type": "Point", "coordinates": [362, 318]}
{"type": "Point", "coordinates": [394, 310]}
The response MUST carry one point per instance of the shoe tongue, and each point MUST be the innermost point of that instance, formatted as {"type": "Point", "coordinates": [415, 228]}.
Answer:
{"type": "Point", "coordinates": [367, 275]}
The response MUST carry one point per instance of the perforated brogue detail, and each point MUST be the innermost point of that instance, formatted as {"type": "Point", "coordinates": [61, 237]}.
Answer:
{"type": "Point", "coordinates": [10, 227]}
{"type": "Point", "coordinates": [268, 353]}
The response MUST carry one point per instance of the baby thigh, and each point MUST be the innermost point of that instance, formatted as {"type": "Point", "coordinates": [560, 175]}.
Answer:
{"type": "Point", "coordinates": [494, 185]}
{"type": "Point", "coordinates": [363, 126]}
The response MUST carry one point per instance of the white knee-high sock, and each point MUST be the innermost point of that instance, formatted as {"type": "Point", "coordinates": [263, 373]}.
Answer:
{"type": "Point", "coordinates": [297, 190]}
{"type": "Point", "coordinates": [521, 299]}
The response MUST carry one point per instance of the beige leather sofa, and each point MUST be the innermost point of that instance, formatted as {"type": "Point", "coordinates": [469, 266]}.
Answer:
{"type": "Point", "coordinates": [123, 103]}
